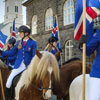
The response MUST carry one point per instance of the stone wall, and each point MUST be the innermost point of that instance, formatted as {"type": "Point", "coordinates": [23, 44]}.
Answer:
{"type": "Point", "coordinates": [36, 7]}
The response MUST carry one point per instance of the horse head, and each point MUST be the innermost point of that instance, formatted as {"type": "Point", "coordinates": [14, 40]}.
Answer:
{"type": "Point", "coordinates": [47, 70]}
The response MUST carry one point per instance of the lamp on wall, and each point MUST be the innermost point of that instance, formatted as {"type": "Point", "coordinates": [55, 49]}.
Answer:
{"type": "Point", "coordinates": [97, 22]}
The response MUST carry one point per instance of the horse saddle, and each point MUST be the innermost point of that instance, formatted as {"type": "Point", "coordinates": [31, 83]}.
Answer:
{"type": "Point", "coordinates": [16, 79]}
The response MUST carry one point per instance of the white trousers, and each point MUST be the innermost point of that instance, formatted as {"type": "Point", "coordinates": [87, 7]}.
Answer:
{"type": "Point", "coordinates": [13, 73]}
{"type": "Point", "coordinates": [94, 89]}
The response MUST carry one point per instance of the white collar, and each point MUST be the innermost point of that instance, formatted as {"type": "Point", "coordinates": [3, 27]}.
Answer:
{"type": "Point", "coordinates": [25, 40]}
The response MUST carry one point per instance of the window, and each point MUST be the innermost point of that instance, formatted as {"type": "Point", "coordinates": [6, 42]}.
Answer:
{"type": "Point", "coordinates": [11, 29]}
{"type": "Point", "coordinates": [49, 19]}
{"type": "Point", "coordinates": [7, 9]}
{"type": "Point", "coordinates": [68, 50]}
{"type": "Point", "coordinates": [16, 8]}
{"type": "Point", "coordinates": [68, 12]}
{"type": "Point", "coordinates": [34, 24]}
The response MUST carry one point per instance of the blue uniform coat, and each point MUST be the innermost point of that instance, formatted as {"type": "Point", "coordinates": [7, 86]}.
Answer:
{"type": "Point", "coordinates": [10, 59]}
{"type": "Point", "coordinates": [93, 45]}
{"type": "Point", "coordinates": [24, 54]}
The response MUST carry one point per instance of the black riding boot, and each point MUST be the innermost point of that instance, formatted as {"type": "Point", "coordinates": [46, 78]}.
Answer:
{"type": "Point", "coordinates": [8, 93]}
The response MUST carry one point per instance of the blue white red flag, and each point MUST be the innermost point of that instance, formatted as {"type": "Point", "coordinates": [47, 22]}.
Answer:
{"type": "Point", "coordinates": [92, 10]}
{"type": "Point", "coordinates": [55, 29]}
{"type": "Point", "coordinates": [2, 40]}
{"type": "Point", "coordinates": [55, 32]}
{"type": "Point", "coordinates": [13, 30]}
{"type": "Point", "coordinates": [89, 32]}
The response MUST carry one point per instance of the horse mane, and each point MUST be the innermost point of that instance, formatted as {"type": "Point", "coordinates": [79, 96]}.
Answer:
{"type": "Point", "coordinates": [48, 60]}
{"type": "Point", "coordinates": [38, 67]}
{"type": "Point", "coordinates": [72, 59]}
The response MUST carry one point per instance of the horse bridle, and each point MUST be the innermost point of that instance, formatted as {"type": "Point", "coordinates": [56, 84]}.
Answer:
{"type": "Point", "coordinates": [40, 88]}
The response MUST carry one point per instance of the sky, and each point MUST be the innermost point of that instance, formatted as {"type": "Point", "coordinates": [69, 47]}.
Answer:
{"type": "Point", "coordinates": [2, 12]}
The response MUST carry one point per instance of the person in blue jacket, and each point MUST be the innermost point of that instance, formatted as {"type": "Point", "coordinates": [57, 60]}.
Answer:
{"type": "Point", "coordinates": [94, 84]}
{"type": "Point", "coordinates": [53, 42]}
{"type": "Point", "coordinates": [10, 60]}
{"type": "Point", "coordinates": [53, 46]}
{"type": "Point", "coordinates": [25, 49]}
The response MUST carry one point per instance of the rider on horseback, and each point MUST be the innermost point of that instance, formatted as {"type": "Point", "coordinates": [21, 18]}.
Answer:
{"type": "Point", "coordinates": [53, 46]}
{"type": "Point", "coordinates": [10, 60]}
{"type": "Point", "coordinates": [25, 50]}
{"type": "Point", "coordinates": [94, 81]}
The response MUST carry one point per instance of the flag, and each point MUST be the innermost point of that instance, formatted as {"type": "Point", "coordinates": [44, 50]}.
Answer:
{"type": "Point", "coordinates": [89, 32]}
{"type": "Point", "coordinates": [55, 29]}
{"type": "Point", "coordinates": [13, 30]}
{"type": "Point", "coordinates": [92, 10]}
{"type": "Point", "coordinates": [2, 40]}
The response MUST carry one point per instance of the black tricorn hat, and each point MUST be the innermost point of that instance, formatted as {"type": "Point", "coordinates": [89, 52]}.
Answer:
{"type": "Point", "coordinates": [52, 39]}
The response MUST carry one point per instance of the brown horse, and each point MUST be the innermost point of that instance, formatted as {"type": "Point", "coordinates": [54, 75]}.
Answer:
{"type": "Point", "coordinates": [68, 72]}
{"type": "Point", "coordinates": [35, 82]}
{"type": "Point", "coordinates": [5, 73]}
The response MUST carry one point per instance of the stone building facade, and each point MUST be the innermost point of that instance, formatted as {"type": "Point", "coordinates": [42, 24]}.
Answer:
{"type": "Point", "coordinates": [36, 19]}
{"type": "Point", "coordinates": [13, 10]}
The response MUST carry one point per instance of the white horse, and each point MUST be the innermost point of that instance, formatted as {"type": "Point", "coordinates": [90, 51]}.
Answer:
{"type": "Point", "coordinates": [75, 90]}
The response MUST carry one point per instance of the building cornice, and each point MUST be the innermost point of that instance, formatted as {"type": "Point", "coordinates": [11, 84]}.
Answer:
{"type": "Point", "coordinates": [27, 3]}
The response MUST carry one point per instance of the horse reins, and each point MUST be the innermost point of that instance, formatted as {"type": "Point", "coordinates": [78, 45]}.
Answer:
{"type": "Point", "coordinates": [40, 88]}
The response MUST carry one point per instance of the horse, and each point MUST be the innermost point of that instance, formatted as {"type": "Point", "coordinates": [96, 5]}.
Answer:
{"type": "Point", "coordinates": [36, 81]}
{"type": "Point", "coordinates": [75, 90]}
{"type": "Point", "coordinates": [68, 71]}
{"type": "Point", "coordinates": [5, 73]}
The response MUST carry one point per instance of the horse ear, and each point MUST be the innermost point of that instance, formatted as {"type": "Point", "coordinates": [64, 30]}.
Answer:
{"type": "Point", "coordinates": [38, 53]}
{"type": "Point", "coordinates": [57, 54]}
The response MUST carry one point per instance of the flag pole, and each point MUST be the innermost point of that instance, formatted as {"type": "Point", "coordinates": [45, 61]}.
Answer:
{"type": "Point", "coordinates": [59, 38]}
{"type": "Point", "coordinates": [2, 89]}
{"type": "Point", "coordinates": [12, 29]}
{"type": "Point", "coordinates": [84, 49]}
